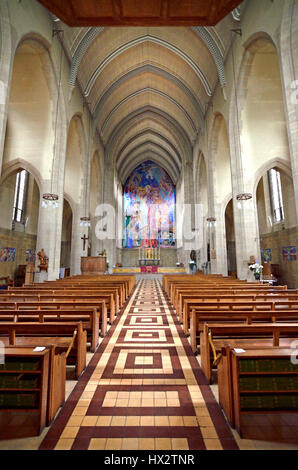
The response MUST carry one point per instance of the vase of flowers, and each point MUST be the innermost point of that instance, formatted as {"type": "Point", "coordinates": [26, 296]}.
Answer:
{"type": "Point", "coordinates": [257, 270]}
{"type": "Point", "coordinates": [192, 265]}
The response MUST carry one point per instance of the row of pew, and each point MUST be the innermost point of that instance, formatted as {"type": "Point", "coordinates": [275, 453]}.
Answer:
{"type": "Point", "coordinates": [69, 316]}
{"type": "Point", "coordinates": [222, 315]}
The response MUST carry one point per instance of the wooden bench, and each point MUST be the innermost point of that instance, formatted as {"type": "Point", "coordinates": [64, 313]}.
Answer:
{"type": "Point", "coordinates": [231, 306]}
{"type": "Point", "coordinates": [61, 305]}
{"type": "Point", "coordinates": [50, 390]}
{"type": "Point", "coordinates": [229, 374]}
{"type": "Point", "coordinates": [89, 318]}
{"type": "Point", "coordinates": [200, 290]}
{"type": "Point", "coordinates": [200, 316]}
{"type": "Point", "coordinates": [215, 336]}
{"type": "Point", "coordinates": [223, 295]}
{"type": "Point", "coordinates": [65, 336]}
{"type": "Point", "coordinates": [119, 288]}
{"type": "Point", "coordinates": [111, 302]}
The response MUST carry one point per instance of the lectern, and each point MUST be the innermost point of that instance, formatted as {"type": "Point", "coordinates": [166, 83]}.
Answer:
{"type": "Point", "coordinates": [93, 264]}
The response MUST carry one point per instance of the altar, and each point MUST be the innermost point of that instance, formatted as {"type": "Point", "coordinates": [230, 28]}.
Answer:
{"type": "Point", "coordinates": [93, 265]}
{"type": "Point", "coordinates": [149, 256]}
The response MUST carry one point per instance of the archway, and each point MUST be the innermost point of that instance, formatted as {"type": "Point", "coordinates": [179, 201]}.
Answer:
{"type": "Point", "coordinates": [66, 238]}
{"type": "Point", "coordinates": [95, 198]}
{"type": "Point", "coordinates": [275, 199]}
{"type": "Point", "coordinates": [149, 210]}
{"type": "Point", "coordinates": [30, 123]}
{"type": "Point", "coordinates": [74, 175]}
{"type": "Point", "coordinates": [204, 255]}
{"type": "Point", "coordinates": [230, 239]}
{"type": "Point", "coordinates": [19, 209]}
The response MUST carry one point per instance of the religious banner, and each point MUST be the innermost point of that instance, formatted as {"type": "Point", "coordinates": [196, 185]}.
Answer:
{"type": "Point", "coordinates": [30, 256]}
{"type": "Point", "coordinates": [289, 253]}
{"type": "Point", "coordinates": [266, 255]}
{"type": "Point", "coordinates": [149, 208]}
{"type": "Point", "coordinates": [7, 254]}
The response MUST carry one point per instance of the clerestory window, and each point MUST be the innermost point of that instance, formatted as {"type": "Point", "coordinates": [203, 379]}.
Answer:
{"type": "Point", "coordinates": [20, 196]}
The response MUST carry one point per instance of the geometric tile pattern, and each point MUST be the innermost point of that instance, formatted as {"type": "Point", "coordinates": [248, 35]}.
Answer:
{"type": "Point", "coordinates": [143, 388]}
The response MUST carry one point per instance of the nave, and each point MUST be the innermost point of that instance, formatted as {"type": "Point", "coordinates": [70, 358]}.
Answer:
{"type": "Point", "coordinates": [143, 388]}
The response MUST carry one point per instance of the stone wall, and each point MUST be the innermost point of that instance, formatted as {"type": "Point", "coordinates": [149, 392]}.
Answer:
{"type": "Point", "coordinates": [21, 242]}
{"type": "Point", "coordinates": [276, 241]}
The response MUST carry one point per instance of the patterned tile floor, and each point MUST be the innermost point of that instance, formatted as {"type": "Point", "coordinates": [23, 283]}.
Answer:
{"type": "Point", "coordinates": [143, 388]}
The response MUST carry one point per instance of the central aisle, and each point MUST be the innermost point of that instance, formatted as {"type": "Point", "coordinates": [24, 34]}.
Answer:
{"type": "Point", "coordinates": [143, 388]}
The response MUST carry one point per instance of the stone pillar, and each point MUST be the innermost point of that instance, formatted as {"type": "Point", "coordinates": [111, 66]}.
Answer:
{"type": "Point", "coordinates": [77, 244]}
{"type": "Point", "coordinates": [109, 243]}
{"type": "Point", "coordinates": [49, 235]}
{"type": "Point", "coordinates": [6, 55]}
{"type": "Point", "coordinates": [289, 78]}
{"type": "Point", "coordinates": [221, 266]}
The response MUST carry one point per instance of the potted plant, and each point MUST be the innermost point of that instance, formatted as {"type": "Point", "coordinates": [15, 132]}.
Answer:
{"type": "Point", "coordinates": [257, 269]}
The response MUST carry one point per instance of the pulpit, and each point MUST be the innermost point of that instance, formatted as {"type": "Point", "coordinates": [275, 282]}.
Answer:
{"type": "Point", "coordinates": [93, 264]}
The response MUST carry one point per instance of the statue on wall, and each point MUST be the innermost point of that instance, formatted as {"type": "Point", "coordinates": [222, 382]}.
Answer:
{"type": "Point", "coordinates": [43, 260]}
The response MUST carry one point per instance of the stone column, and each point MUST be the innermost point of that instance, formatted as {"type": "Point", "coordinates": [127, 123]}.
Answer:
{"type": "Point", "coordinates": [77, 244]}
{"type": "Point", "coordinates": [6, 55]}
{"type": "Point", "coordinates": [49, 236]}
{"type": "Point", "coordinates": [109, 243]}
{"type": "Point", "coordinates": [289, 77]}
{"type": "Point", "coordinates": [221, 266]}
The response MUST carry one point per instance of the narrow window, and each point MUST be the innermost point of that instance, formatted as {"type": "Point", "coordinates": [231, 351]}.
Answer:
{"type": "Point", "coordinates": [276, 195]}
{"type": "Point", "coordinates": [20, 196]}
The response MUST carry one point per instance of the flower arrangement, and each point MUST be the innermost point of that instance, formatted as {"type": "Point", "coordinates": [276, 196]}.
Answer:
{"type": "Point", "coordinates": [257, 269]}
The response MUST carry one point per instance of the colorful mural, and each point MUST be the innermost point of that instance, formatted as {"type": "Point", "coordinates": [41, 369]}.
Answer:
{"type": "Point", "coordinates": [149, 207]}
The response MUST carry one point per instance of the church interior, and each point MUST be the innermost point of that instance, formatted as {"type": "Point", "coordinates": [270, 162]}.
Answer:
{"type": "Point", "coordinates": [148, 225]}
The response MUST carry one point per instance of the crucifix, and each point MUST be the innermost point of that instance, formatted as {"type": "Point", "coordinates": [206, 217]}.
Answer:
{"type": "Point", "coordinates": [84, 238]}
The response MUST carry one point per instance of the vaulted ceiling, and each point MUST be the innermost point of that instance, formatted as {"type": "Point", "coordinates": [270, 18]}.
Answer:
{"type": "Point", "coordinates": [148, 87]}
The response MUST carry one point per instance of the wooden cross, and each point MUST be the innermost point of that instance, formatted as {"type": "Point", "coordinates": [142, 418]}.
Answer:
{"type": "Point", "coordinates": [84, 238]}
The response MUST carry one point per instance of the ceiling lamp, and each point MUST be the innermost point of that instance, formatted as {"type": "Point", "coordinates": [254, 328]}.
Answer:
{"type": "Point", "coordinates": [85, 222]}
{"type": "Point", "coordinates": [211, 222]}
{"type": "Point", "coordinates": [50, 200]}
{"type": "Point", "coordinates": [243, 197]}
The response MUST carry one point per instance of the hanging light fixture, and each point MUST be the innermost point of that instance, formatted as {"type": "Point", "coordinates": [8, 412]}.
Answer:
{"type": "Point", "coordinates": [85, 222]}
{"type": "Point", "coordinates": [211, 221]}
{"type": "Point", "coordinates": [243, 197]}
{"type": "Point", "coordinates": [50, 200]}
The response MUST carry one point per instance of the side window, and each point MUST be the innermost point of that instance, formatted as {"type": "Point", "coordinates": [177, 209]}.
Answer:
{"type": "Point", "coordinates": [20, 196]}
{"type": "Point", "coordinates": [276, 195]}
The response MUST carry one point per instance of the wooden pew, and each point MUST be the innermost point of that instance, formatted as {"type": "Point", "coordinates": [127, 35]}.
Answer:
{"type": "Point", "coordinates": [52, 392]}
{"type": "Point", "coordinates": [224, 295]}
{"type": "Point", "coordinates": [61, 306]}
{"type": "Point", "coordinates": [229, 379]}
{"type": "Point", "coordinates": [245, 316]}
{"type": "Point", "coordinates": [215, 336]}
{"type": "Point", "coordinates": [228, 288]}
{"type": "Point", "coordinates": [231, 306]}
{"type": "Point", "coordinates": [90, 319]}
{"type": "Point", "coordinates": [103, 286]}
{"type": "Point", "coordinates": [111, 300]}
{"type": "Point", "coordinates": [65, 336]}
